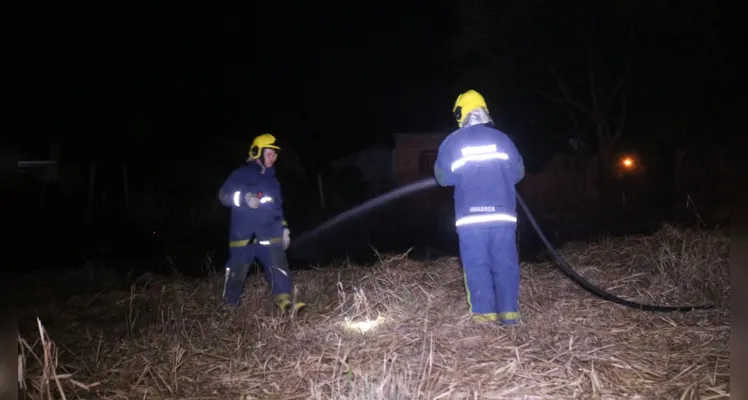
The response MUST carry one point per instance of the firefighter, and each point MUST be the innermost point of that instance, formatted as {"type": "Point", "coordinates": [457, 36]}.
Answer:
{"type": "Point", "coordinates": [258, 228]}
{"type": "Point", "coordinates": [483, 165]}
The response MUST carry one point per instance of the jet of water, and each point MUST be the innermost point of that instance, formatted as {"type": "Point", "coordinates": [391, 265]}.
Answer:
{"type": "Point", "coordinates": [363, 208]}
{"type": "Point", "coordinates": [561, 262]}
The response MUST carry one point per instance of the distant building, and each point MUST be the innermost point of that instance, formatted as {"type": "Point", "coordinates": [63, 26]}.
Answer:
{"type": "Point", "coordinates": [30, 165]}
{"type": "Point", "coordinates": [383, 167]}
{"type": "Point", "coordinates": [415, 154]}
{"type": "Point", "coordinates": [376, 164]}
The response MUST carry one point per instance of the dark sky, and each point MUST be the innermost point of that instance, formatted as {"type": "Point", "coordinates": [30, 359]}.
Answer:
{"type": "Point", "coordinates": [350, 73]}
{"type": "Point", "coordinates": [170, 83]}
{"type": "Point", "coordinates": [161, 81]}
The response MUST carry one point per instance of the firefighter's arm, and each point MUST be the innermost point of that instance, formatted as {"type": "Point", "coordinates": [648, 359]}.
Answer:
{"type": "Point", "coordinates": [516, 163]}
{"type": "Point", "coordinates": [280, 210]}
{"type": "Point", "coordinates": [235, 189]}
{"type": "Point", "coordinates": [442, 167]}
{"type": "Point", "coordinates": [284, 223]}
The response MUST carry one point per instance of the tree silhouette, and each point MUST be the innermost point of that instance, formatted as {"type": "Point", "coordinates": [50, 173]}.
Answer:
{"type": "Point", "coordinates": [604, 63]}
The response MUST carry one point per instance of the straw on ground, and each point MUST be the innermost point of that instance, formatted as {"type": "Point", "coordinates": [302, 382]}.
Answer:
{"type": "Point", "coordinates": [398, 329]}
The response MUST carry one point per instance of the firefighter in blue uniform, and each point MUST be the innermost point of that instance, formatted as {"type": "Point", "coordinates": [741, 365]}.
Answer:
{"type": "Point", "coordinates": [258, 228]}
{"type": "Point", "coordinates": [483, 165]}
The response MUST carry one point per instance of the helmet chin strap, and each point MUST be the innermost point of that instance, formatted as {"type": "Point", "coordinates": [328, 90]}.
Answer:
{"type": "Point", "coordinates": [261, 161]}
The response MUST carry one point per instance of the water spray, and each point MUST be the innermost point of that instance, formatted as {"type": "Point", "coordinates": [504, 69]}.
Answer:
{"type": "Point", "coordinates": [362, 208]}
{"type": "Point", "coordinates": [560, 261]}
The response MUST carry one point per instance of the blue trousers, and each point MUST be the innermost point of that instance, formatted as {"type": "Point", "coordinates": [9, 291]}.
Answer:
{"type": "Point", "coordinates": [491, 266]}
{"type": "Point", "coordinates": [274, 263]}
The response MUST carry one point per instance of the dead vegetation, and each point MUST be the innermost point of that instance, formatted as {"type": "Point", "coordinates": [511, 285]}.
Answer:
{"type": "Point", "coordinates": [396, 330]}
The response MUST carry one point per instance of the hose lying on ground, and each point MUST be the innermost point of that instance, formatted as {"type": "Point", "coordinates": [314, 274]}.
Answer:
{"type": "Point", "coordinates": [585, 284]}
{"type": "Point", "coordinates": [565, 267]}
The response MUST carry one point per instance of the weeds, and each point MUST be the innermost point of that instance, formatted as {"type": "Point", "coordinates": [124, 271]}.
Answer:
{"type": "Point", "coordinates": [398, 329]}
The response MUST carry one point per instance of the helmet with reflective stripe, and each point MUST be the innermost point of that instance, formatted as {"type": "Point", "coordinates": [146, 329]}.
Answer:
{"type": "Point", "coordinates": [264, 141]}
{"type": "Point", "coordinates": [466, 103]}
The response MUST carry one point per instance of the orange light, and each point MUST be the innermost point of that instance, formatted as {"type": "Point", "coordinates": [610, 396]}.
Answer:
{"type": "Point", "coordinates": [628, 162]}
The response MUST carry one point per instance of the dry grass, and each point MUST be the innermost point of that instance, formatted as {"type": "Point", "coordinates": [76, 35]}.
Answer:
{"type": "Point", "coordinates": [170, 338]}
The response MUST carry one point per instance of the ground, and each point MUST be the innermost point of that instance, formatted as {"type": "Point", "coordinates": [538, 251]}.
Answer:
{"type": "Point", "coordinates": [398, 329]}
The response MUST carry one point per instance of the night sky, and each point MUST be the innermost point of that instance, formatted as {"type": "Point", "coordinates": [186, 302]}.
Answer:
{"type": "Point", "coordinates": [172, 86]}
{"type": "Point", "coordinates": [167, 83]}
{"type": "Point", "coordinates": [351, 74]}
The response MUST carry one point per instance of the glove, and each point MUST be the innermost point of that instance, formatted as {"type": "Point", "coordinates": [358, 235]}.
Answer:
{"type": "Point", "coordinates": [286, 238]}
{"type": "Point", "coordinates": [252, 200]}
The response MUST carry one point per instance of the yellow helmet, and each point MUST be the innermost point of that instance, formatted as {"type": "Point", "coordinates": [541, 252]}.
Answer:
{"type": "Point", "coordinates": [467, 102]}
{"type": "Point", "coordinates": [264, 141]}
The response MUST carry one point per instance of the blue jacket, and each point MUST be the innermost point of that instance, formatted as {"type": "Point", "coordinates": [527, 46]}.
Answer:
{"type": "Point", "coordinates": [265, 222]}
{"type": "Point", "coordinates": [483, 165]}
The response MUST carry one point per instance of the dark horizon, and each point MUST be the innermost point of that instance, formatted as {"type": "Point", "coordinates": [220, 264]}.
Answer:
{"type": "Point", "coordinates": [167, 107]}
{"type": "Point", "coordinates": [333, 80]}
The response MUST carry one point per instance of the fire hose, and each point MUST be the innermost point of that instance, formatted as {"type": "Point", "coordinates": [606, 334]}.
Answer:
{"type": "Point", "coordinates": [561, 263]}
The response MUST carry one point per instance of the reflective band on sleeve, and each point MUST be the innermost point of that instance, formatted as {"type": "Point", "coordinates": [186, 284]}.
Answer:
{"type": "Point", "coordinates": [481, 218]}
{"type": "Point", "coordinates": [479, 153]}
{"type": "Point", "coordinates": [237, 199]}
{"type": "Point", "coordinates": [266, 242]}
{"type": "Point", "coordinates": [266, 199]}
{"type": "Point", "coordinates": [238, 243]}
